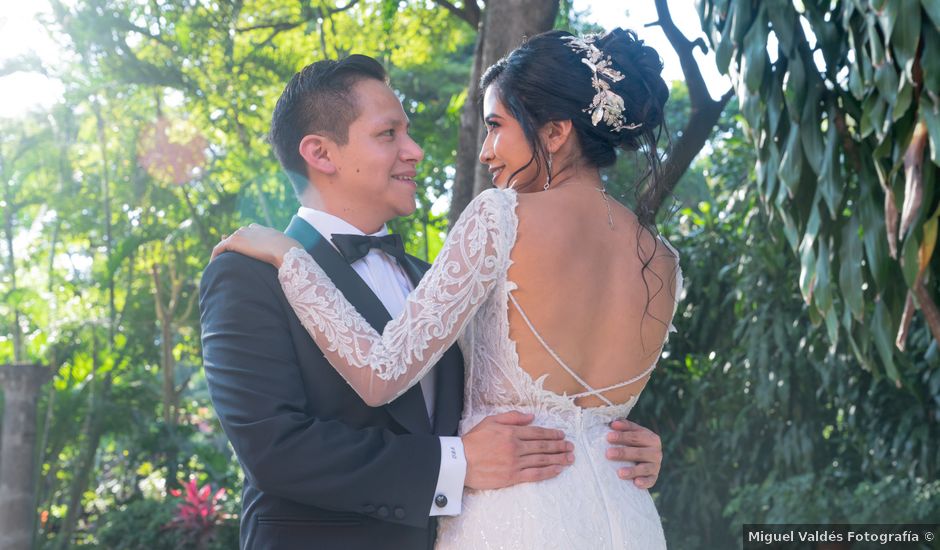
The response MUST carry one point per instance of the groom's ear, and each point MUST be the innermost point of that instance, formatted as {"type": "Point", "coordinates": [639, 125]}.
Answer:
{"type": "Point", "coordinates": [318, 152]}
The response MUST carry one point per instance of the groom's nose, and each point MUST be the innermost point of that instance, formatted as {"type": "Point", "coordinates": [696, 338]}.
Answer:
{"type": "Point", "coordinates": [411, 151]}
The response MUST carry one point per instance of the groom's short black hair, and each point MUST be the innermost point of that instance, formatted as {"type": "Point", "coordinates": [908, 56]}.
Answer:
{"type": "Point", "coordinates": [318, 100]}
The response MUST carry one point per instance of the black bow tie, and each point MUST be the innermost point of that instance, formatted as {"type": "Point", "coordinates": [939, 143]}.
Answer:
{"type": "Point", "coordinates": [355, 247]}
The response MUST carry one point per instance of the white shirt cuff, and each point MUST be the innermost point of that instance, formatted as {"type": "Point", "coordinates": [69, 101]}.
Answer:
{"type": "Point", "coordinates": [449, 491]}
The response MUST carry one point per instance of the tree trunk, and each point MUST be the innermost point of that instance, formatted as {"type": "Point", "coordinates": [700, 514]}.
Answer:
{"type": "Point", "coordinates": [8, 226]}
{"type": "Point", "coordinates": [503, 27]}
{"type": "Point", "coordinates": [21, 384]}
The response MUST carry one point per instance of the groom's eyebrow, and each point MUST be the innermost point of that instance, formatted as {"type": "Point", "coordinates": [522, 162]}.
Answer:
{"type": "Point", "coordinates": [394, 121]}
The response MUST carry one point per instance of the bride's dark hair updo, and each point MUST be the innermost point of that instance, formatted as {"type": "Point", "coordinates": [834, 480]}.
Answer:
{"type": "Point", "coordinates": [545, 80]}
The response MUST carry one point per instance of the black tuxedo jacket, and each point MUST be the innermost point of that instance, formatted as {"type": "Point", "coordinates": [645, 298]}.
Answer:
{"type": "Point", "coordinates": [322, 469]}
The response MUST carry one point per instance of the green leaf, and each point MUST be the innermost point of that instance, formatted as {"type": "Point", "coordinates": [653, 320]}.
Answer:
{"type": "Point", "coordinates": [795, 88]}
{"type": "Point", "coordinates": [930, 113]}
{"type": "Point", "coordinates": [904, 97]}
{"type": "Point", "coordinates": [873, 117]}
{"type": "Point", "coordinates": [724, 50]}
{"type": "Point", "coordinates": [932, 7]}
{"type": "Point", "coordinates": [883, 331]}
{"type": "Point", "coordinates": [823, 291]}
{"type": "Point", "coordinates": [887, 17]}
{"type": "Point", "coordinates": [874, 43]}
{"type": "Point", "coordinates": [910, 262]}
{"type": "Point", "coordinates": [791, 164]}
{"type": "Point", "coordinates": [811, 135]}
{"type": "Point", "coordinates": [930, 64]}
{"type": "Point", "coordinates": [754, 60]}
{"type": "Point", "coordinates": [830, 176]}
{"type": "Point", "coordinates": [873, 230]}
{"type": "Point", "coordinates": [856, 86]}
{"type": "Point", "coordinates": [850, 268]}
{"type": "Point", "coordinates": [774, 105]}
{"type": "Point", "coordinates": [832, 327]}
{"type": "Point", "coordinates": [906, 33]}
{"type": "Point", "coordinates": [886, 80]}
{"type": "Point", "coordinates": [784, 22]}
{"type": "Point", "coordinates": [807, 269]}
{"type": "Point", "coordinates": [808, 257]}
{"type": "Point", "coordinates": [742, 18]}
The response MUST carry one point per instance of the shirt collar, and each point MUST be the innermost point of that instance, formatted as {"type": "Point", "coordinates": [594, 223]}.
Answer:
{"type": "Point", "coordinates": [329, 225]}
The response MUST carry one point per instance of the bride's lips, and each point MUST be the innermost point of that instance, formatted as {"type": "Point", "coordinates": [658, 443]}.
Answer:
{"type": "Point", "coordinates": [495, 171]}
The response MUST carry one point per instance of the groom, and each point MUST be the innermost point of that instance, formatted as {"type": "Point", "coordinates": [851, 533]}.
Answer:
{"type": "Point", "coordinates": [323, 469]}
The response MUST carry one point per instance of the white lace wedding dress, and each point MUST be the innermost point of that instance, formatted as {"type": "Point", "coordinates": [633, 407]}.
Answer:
{"type": "Point", "coordinates": [466, 293]}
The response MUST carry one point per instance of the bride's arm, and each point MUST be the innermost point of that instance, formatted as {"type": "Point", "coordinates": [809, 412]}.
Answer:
{"type": "Point", "coordinates": [380, 367]}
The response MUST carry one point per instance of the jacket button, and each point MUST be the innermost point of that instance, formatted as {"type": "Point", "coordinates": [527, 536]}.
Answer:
{"type": "Point", "coordinates": [383, 511]}
{"type": "Point", "coordinates": [369, 508]}
{"type": "Point", "coordinates": [440, 501]}
{"type": "Point", "coordinates": [399, 513]}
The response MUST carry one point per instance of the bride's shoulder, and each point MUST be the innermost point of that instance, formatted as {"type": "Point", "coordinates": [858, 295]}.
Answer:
{"type": "Point", "coordinates": [493, 202]}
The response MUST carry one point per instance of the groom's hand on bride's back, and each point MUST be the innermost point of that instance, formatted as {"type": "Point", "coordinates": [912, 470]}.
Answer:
{"type": "Point", "coordinates": [504, 450]}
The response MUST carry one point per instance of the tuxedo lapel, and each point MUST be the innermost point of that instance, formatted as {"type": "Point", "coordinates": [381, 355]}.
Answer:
{"type": "Point", "coordinates": [414, 268]}
{"type": "Point", "coordinates": [409, 409]}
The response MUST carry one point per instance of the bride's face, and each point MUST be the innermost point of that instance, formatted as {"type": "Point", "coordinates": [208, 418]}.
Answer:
{"type": "Point", "coordinates": [505, 150]}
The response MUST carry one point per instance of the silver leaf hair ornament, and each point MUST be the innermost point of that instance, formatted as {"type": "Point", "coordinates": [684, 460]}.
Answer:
{"type": "Point", "coordinates": [607, 105]}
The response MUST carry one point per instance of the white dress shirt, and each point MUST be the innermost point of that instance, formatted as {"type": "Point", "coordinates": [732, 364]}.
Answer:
{"type": "Point", "coordinates": [391, 285]}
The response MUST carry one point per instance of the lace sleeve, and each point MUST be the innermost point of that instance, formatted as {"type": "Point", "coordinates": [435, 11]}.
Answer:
{"type": "Point", "coordinates": [380, 367]}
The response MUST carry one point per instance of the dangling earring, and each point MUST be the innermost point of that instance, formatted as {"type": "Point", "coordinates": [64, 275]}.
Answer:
{"type": "Point", "coordinates": [548, 178]}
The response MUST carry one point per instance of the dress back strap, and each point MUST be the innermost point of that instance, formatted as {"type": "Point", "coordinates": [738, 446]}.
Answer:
{"type": "Point", "coordinates": [590, 391]}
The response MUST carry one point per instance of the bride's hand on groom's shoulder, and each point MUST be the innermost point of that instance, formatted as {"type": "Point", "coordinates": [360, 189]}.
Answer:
{"type": "Point", "coordinates": [631, 442]}
{"type": "Point", "coordinates": [259, 242]}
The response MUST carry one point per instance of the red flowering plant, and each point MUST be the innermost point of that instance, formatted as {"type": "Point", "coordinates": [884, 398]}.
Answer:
{"type": "Point", "coordinates": [198, 514]}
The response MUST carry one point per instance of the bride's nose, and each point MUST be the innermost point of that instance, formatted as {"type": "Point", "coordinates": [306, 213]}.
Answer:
{"type": "Point", "coordinates": [486, 151]}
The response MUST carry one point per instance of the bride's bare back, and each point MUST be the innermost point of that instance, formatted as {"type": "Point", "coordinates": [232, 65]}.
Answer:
{"type": "Point", "coordinates": [583, 285]}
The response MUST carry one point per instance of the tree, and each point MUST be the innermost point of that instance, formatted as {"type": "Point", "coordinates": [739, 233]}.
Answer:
{"type": "Point", "coordinates": [21, 384]}
{"type": "Point", "coordinates": [841, 105]}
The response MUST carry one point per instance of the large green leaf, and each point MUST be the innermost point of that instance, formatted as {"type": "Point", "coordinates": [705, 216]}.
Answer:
{"type": "Point", "coordinates": [830, 175]}
{"type": "Point", "coordinates": [930, 64]}
{"type": "Point", "coordinates": [823, 289]}
{"type": "Point", "coordinates": [754, 60]}
{"type": "Point", "coordinates": [883, 330]}
{"type": "Point", "coordinates": [791, 165]}
{"type": "Point", "coordinates": [932, 7]}
{"type": "Point", "coordinates": [907, 30]}
{"type": "Point", "coordinates": [850, 267]}
{"type": "Point", "coordinates": [795, 87]}
{"type": "Point", "coordinates": [810, 133]}
{"type": "Point", "coordinates": [930, 112]}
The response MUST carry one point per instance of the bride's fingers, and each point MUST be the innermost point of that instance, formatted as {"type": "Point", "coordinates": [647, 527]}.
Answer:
{"type": "Point", "coordinates": [638, 471]}
{"type": "Point", "coordinates": [217, 249]}
{"type": "Point", "coordinates": [635, 454]}
{"type": "Point", "coordinates": [645, 482]}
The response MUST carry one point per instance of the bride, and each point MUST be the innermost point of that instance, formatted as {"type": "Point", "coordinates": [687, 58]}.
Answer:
{"type": "Point", "coordinates": [560, 297]}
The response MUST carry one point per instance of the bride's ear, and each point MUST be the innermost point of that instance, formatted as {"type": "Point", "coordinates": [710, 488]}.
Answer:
{"type": "Point", "coordinates": [318, 153]}
{"type": "Point", "coordinates": [555, 134]}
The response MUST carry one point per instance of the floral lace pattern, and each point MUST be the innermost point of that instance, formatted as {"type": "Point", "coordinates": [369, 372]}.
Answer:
{"type": "Point", "coordinates": [466, 293]}
{"type": "Point", "coordinates": [380, 367]}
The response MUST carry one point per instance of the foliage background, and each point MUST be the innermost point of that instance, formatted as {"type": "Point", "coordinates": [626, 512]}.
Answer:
{"type": "Point", "coordinates": [765, 414]}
